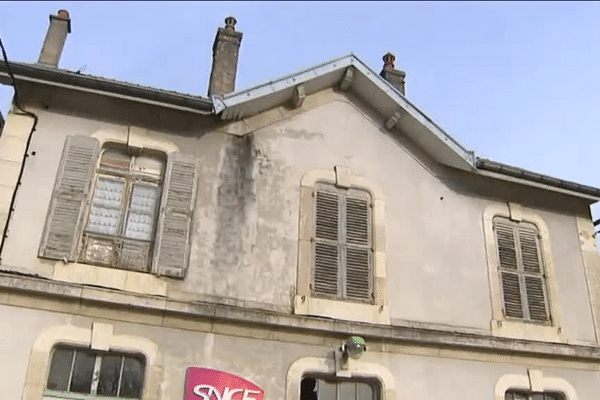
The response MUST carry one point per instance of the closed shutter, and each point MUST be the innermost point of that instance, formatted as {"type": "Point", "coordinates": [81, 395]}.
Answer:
{"type": "Point", "coordinates": [507, 254]}
{"type": "Point", "coordinates": [71, 189]}
{"type": "Point", "coordinates": [358, 249]}
{"type": "Point", "coordinates": [327, 255]}
{"type": "Point", "coordinates": [172, 247]}
{"type": "Point", "coordinates": [521, 270]}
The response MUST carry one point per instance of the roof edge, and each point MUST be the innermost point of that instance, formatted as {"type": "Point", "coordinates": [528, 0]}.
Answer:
{"type": "Point", "coordinates": [103, 86]}
{"type": "Point", "coordinates": [515, 172]}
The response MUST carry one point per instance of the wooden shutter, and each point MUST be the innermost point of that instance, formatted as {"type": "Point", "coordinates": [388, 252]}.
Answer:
{"type": "Point", "coordinates": [173, 231]}
{"type": "Point", "coordinates": [327, 255]}
{"type": "Point", "coordinates": [358, 277]}
{"type": "Point", "coordinates": [521, 270]}
{"type": "Point", "coordinates": [507, 255]}
{"type": "Point", "coordinates": [71, 190]}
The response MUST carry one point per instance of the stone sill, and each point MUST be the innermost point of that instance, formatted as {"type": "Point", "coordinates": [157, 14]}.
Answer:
{"type": "Point", "coordinates": [160, 305]}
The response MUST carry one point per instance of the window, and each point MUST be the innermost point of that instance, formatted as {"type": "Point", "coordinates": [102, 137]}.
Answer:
{"type": "Point", "coordinates": [521, 270]}
{"type": "Point", "coordinates": [87, 372]}
{"type": "Point", "coordinates": [122, 217]}
{"type": "Point", "coordinates": [517, 395]}
{"type": "Point", "coordinates": [342, 258]}
{"type": "Point", "coordinates": [121, 206]}
{"type": "Point", "coordinates": [326, 388]}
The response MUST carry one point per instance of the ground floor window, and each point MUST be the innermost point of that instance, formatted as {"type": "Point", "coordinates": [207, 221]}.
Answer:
{"type": "Point", "coordinates": [95, 373]}
{"type": "Point", "coordinates": [516, 395]}
{"type": "Point", "coordinates": [333, 388]}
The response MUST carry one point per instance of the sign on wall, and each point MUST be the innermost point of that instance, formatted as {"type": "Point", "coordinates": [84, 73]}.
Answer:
{"type": "Point", "coordinates": [210, 384]}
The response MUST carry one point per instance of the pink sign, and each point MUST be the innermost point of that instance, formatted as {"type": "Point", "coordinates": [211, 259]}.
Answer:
{"type": "Point", "coordinates": [210, 384]}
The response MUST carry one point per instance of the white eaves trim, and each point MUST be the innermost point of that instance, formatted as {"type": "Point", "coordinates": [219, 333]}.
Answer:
{"type": "Point", "coordinates": [221, 104]}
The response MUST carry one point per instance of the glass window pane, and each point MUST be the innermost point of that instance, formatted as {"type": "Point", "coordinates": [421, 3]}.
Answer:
{"type": "Point", "coordinates": [133, 376]}
{"type": "Point", "coordinates": [141, 215]}
{"type": "Point", "coordinates": [536, 396]}
{"type": "Point", "coordinates": [83, 369]}
{"type": "Point", "coordinates": [347, 390]}
{"type": "Point", "coordinates": [115, 160]}
{"type": "Point", "coordinates": [60, 369]}
{"type": "Point", "coordinates": [110, 371]}
{"type": "Point", "coordinates": [364, 391]}
{"type": "Point", "coordinates": [326, 390]}
{"type": "Point", "coordinates": [107, 206]}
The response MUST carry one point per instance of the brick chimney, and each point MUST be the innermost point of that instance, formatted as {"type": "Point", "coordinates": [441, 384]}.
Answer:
{"type": "Point", "coordinates": [393, 76]}
{"type": "Point", "coordinates": [60, 27]}
{"type": "Point", "coordinates": [225, 58]}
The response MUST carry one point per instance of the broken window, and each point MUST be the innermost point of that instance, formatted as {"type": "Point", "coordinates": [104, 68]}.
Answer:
{"type": "Point", "coordinates": [122, 217]}
{"type": "Point", "coordinates": [84, 371]}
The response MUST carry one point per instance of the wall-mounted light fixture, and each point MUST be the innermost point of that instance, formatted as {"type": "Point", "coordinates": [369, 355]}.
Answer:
{"type": "Point", "coordinates": [353, 348]}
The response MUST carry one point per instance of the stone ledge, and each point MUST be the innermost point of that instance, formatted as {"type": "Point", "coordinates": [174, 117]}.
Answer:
{"type": "Point", "coordinates": [301, 324]}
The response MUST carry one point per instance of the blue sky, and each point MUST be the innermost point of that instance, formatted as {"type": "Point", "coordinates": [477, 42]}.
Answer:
{"type": "Point", "coordinates": [517, 82]}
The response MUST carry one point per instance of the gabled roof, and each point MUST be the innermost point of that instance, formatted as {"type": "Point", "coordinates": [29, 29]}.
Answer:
{"type": "Point", "coordinates": [350, 73]}
{"type": "Point", "coordinates": [40, 73]}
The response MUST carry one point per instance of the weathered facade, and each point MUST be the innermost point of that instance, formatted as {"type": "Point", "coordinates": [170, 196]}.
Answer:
{"type": "Point", "coordinates": [256, 231]}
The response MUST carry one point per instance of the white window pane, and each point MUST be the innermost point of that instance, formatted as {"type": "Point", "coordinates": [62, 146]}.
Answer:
{"type": "Point", "coordinates": [107, 206]}
{"type": "Point", "coordinates": [115, 160]}
{"type": "Point", "coordinates": [140, 219]}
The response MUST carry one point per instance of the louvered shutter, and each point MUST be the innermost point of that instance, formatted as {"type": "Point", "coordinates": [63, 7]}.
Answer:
{"type": "Point", "coordinates": [358, 277]}
{"type": "Point", "coordinates": [179, 193]}
{"type": "Point", "coordinates": [325, 274]}
{"type": "Point", "coordinates": [534, 283]}
{"type": "Point", "coordinates": [71, 190]}
{"type": "Point", "coordinates": [507, 254]}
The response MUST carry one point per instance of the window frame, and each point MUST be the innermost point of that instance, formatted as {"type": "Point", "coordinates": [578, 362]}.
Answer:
{"type": "Point", "coordinates": [305, 302]}
{"type": "Point", "coordinates": [130, 178]}
{"type": "Point", "coordinates": [374, 383]}
{"type": "Point", "coordinates": [515, 327]}
{"type": "Point", "coordinates": [95, 380]}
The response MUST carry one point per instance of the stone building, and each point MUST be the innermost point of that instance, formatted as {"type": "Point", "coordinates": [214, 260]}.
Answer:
{"type": "Point", "coordinates": [159, 245]}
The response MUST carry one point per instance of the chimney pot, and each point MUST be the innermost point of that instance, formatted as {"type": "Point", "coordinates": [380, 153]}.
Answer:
{"type": "Point", "coordinates": [392, 75]}
{"type": "Point", "coordinates": [230, 23]}
{"type": "Point", "coordinates": [59, 28]}
{"type": "Point", "coordinates": [225, 59]}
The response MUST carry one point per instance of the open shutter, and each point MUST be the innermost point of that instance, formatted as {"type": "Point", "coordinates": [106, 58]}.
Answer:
{"type": "Point", "coordinates": [358, 250]}
{"type": "Point", "coordinates": [327, 257]}
{"type": "Point", "coordinates": [507, 254]}
{"type": "Point", "coordinates": [71, 189]}
{"type": "Point", "coordinates": [172, 244]}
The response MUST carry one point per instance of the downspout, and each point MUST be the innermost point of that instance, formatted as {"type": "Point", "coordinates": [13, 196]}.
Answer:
{"type": "Point", "coordinates": [17, 104]}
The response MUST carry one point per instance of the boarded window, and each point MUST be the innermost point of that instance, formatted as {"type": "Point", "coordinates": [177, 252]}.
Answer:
{"type": "Point", "coordinates": [521, 270]}
{"type": "Point", "coordinates": [343, 256]}
{"type": "Point", "coordinates": [84, 371]}
{"type": "Point", "coordinates": [330, 388]}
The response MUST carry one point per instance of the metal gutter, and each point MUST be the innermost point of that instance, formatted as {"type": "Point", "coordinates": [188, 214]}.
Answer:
{"type": "Point", "coordinates": [91, 84]}
{"type": "Point", "coordinates": [508, 170]}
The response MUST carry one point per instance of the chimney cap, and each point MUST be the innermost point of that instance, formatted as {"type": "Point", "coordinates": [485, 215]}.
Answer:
{"type": "Point", "coordinates": [62, 15]}
{"type": "Point", "coordinates": [230, 23]}
{"type": "Point", "coordinates": [388, 60]}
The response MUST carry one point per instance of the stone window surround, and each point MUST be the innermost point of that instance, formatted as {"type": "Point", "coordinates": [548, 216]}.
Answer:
{"type": "Point", "coordinates": [500, 325]}
{"type": "Point", "coordinates": [304, 303]}
{"type": "Point", "coordinates": [534, 381]}
{"type": "Point", "coordinates": [99, 337]}
{"type": "Point", "coordinates": [356, 369]}
{"type": "Point", "coordinates": [134, 138]}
